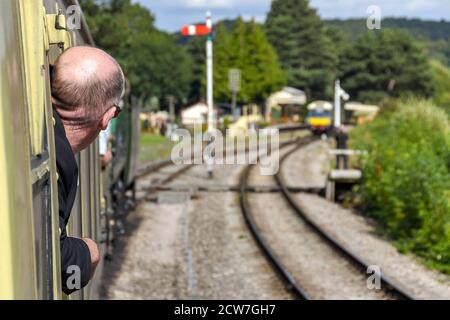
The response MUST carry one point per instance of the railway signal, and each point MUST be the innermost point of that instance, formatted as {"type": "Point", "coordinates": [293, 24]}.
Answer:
{"type": "Point", "coordinates": [234, 84]}
{"type": "Point", "coordinates": [195, 30]}
{"type": "Point", "coordinates": [206, 30]}
{"type": "Point", "coordinates": [339, 94]}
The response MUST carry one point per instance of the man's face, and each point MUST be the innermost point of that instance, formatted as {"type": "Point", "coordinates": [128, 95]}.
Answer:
{"type": "Point", "coordinates": [90, 135]}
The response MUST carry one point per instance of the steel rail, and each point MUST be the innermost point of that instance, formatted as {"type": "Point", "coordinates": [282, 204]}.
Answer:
{"type": "Point", "coordinates": [154, 166]}
{"type": "Point", "coordinates": [291, 284]}
{"type": "Point", "coordinates": [352, 256]}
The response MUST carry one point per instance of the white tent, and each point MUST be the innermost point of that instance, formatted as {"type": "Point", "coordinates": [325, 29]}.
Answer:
{"type": "Point", "coordinates": [362, 112]}
{"type": "Point", "coordinates": [361, 108]}
{"type": "Point", "coordinates": [195, 114]}
{"type": "Point", "coordinates": [287, 96]}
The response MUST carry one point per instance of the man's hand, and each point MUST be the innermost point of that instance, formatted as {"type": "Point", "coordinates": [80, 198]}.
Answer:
{"type": "Point", "coordinates": [106, 158]}
{"type": "Point", "coordinates": [95, 254]}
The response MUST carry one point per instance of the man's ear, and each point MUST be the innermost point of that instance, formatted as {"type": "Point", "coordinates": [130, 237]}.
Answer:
{"type": "Point", "coordinates": [107, 117]}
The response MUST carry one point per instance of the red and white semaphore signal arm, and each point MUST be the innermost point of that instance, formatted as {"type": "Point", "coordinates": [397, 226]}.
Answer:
{"type": "Point", "coordinates": [196, 30]}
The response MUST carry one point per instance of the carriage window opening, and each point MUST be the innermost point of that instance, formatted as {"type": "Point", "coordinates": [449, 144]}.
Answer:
{"type": "Point", "coordinates": [319, 113]}
{"type": "Point", "coordinates": [42, 213]}
{"type": "Point", "coordinates": [43, 236]}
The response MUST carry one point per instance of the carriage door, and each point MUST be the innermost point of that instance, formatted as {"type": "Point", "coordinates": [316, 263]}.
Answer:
{"type": "Point", "coordinates": [39, 31]}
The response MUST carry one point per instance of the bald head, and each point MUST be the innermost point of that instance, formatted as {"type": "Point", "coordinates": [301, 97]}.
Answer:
{"type": "Point", "coordinates": [86, 82]}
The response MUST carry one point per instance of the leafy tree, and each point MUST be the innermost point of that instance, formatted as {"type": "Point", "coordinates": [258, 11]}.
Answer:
{"type": "Point", "coordinates": [435, 35]}
{"type": "Point", "coordinates": [196, 48]}
{"type": "Point", "coordinates": [159, 67]}
{"type": "Point", "coordinates": [434, 30]}
{"type": "Point", "coordinates": [151, 60]}
{"type": "Point", "coordinates": [225, 57]}
{"type": "Point", "coordinates": [305, 51]}
{"type": "Point", "coordinates": [385, 63]}
{"type": "Point", "coordinates": [245, 48]}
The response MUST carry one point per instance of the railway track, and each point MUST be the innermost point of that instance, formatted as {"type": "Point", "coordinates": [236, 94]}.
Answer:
{"type": "Point", "coordinates": [156, 166]}
{"type": "Point", "coordinates": [361, 263]}
{"type": "Point", "coordinates": [291, 284]}
{"type": "Point", "coordinates": [160, 183]}
{"type": "Point", "coordinates": [392, 289]}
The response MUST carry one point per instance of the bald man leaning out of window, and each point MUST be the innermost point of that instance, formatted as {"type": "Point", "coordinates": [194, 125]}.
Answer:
{"type": "Point", "coordinates": [87, 85]}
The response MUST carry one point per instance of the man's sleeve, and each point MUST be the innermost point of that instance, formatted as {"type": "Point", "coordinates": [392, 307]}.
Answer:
{"type": "Point", "coordinates": [75, 254]}
{"type": "Point", "coordinates": [75, 262]}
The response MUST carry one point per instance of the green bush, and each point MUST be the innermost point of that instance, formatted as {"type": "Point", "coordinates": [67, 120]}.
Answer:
{"type": "Point", "coordinates": [407, 178]}
{"type": "Point", "coordinates": [441, 79]}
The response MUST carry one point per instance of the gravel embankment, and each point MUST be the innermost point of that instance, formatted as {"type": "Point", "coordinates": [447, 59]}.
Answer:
{"type": "Point", "coordinates": [192, 245]}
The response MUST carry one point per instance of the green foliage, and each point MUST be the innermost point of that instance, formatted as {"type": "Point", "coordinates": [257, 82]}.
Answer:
{"type": "Point", "coordinates": [434, 30]}
{"type": "Point", "coordinates": [154, 147]}
{"type": "Point", "coordinates": [434, 34]}
{"type": "Point", "coordinates": [441, 82]}
{"type": "Point", "coordinates": [306, 53]}
{"type": "Point", "coordinates": [151, 60]}
{"type": "Point", "coordinates": [196, 48]}
{"type": "Point", "coordinates": [407, 177]}
{"type": "Point", "coordinates": [385, 63]}
{"type": "Point", "coordinates": [158, 67]}
{"type": "Point", "coordinates": [246, 48]}
{"type": "Point", "coordinates": [439, 50]}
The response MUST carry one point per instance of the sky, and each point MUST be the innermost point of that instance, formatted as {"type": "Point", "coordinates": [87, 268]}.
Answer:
{"type": "Point", "coordinates": [171, 15]}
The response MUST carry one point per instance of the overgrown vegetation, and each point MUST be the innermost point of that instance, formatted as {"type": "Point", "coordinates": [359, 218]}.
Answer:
{"type": "Point", "coordinates": [407, 178]}
{"type": "Point", "coordinates": [441, 83]}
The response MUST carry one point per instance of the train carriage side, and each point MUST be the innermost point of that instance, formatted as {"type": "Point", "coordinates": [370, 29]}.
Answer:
{"type": "Point", "coordinates": [29, 231]}
{"type": "Point", "coordinates": [32, 37]}
{"type": "Point", "coordinates": [88, 215]}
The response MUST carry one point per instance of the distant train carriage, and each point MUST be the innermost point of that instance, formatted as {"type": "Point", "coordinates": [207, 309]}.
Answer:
{"type": "Point", "coordinates": [320, 116]}
{"type": "Point", "coordinates": [33, 35]}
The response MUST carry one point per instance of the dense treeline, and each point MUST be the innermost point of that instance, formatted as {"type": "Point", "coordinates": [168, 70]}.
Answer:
{"type": "Point", "coordinates": [435, 35]}
{"type": "Point", "coordinates": [434, 30]}
{"type": "Point", "coordinates": [378, 64]}
{"type": "Point", "coordinates": [306, 52]}
{"type": "Point", "coordinates": [385, 63]}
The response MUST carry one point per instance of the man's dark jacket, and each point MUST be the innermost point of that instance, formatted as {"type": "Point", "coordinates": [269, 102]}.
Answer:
{"type": "Point", "coordinates": [341, 140]}
{"type": "Point", "coordinates": [74, 251]}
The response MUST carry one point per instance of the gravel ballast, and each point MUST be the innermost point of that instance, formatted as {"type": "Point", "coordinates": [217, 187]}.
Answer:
{"type": "Point", "coordinates": [191, 246]}
{"type": "Point", "coordinates": [305, 168]}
